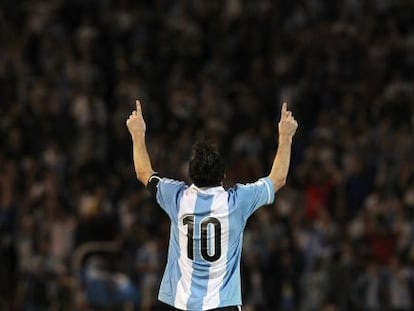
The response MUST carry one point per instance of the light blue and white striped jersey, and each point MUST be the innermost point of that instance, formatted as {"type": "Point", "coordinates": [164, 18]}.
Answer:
{"type": "Point", "coordinates": [206, 235]}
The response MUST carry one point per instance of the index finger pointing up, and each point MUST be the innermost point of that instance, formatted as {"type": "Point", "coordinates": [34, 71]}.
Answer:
{"type": "Point", "coordinates": [284, 108]}
{"type": "Point", "coordinates": [137, 102]}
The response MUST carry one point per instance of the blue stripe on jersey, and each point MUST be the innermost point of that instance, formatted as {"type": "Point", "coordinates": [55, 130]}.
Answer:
{"type": "Point", "coordinates": [232, 292]}
{"type": "Point", "coordinates": [200, 277]}
{"type": "Point", "coordinates": [172, 273]}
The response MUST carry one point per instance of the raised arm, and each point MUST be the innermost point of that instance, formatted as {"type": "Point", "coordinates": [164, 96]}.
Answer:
{"type": "Point", "coordinates": [136, 126]}
{"type": "Point", "coordinates": [280, 168]}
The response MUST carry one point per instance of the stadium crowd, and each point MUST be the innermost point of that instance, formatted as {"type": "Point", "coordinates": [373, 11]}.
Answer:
{"type": "Point", "coordinates": [340, 235]}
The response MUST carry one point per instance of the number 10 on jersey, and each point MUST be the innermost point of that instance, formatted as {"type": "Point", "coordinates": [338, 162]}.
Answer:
{"type": "Point", "coordinates": [205, 237]}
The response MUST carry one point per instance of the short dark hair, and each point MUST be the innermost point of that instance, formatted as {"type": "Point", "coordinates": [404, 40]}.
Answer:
{"type": "Point", "coordinates": [206, 167]}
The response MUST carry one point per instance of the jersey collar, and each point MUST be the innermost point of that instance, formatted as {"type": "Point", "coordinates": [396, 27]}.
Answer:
{"type": "Point", "coordinates": [207, 190]}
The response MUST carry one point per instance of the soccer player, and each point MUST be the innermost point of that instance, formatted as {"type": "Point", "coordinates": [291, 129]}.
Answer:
{"type": "Point", "coordinates": [207, 221]}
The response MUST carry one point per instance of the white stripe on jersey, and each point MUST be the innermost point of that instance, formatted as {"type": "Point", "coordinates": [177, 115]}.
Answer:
{"type": "Point", "coordinates": [187, 205]}
{"type": "Point", "coordinates": [219, 210]}
{"type": "Point", "coordinates": [269, 195]}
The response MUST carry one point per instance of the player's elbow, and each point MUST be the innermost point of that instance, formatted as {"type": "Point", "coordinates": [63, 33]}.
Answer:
{"type": "Point", "coordinates": [143, 177]}
{"type": "Point", "coordinates": [279, 183]}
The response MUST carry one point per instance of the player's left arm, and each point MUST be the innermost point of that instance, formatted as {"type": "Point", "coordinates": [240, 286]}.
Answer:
{"type": "Point", "coordinates": [137, 127]}
{"type": "Point", "coordinates": [287, 128]}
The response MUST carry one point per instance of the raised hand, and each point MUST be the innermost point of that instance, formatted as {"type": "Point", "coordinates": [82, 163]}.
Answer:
{"type": "Point", "coordinates": [287, 123]}
{"type": "Point", "coordinates": [135, 122]}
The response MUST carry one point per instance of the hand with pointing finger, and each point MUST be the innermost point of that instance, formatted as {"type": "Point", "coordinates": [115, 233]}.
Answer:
{"type": "Point", "coordinates": [135, 123]}
{"type": "Point", "coordinates": [287, 123]}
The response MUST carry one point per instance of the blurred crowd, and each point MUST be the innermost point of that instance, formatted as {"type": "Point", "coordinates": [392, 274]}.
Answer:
{"type": "Point", "coordinates": [340, 235]}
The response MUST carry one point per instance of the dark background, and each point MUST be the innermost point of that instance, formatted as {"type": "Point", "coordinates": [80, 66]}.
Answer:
{"type": "Point", "coordinates": [340, 234]}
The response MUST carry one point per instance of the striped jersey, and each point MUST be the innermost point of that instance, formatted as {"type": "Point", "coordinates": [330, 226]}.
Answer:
{"type": "Point", "coordinates": [206, 235]}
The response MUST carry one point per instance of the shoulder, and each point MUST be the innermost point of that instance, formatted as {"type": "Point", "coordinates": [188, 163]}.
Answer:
{"type": "Point", "coordinates": [170, 181]}
{"type": "Point", "coordinates": [261, 191]}
{"type": "Point", "coordinates": [157, 183]}
{"type": "Point", "coordinates": [264, 182]}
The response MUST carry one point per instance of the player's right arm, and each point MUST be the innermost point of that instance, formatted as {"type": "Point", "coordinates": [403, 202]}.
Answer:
{"type": "Point", "coordinates": [166, 191]}
{"type": "Point", "coordinates": [281, 162]}
{"type": "Point", "coordinates": [136, 126]}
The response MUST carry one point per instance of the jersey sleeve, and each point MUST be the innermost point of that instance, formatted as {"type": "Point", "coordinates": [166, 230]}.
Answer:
{"type": "Point", "coordinates": [252, 196]}
{"type": "Point", "coordinates": [168, 195]}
